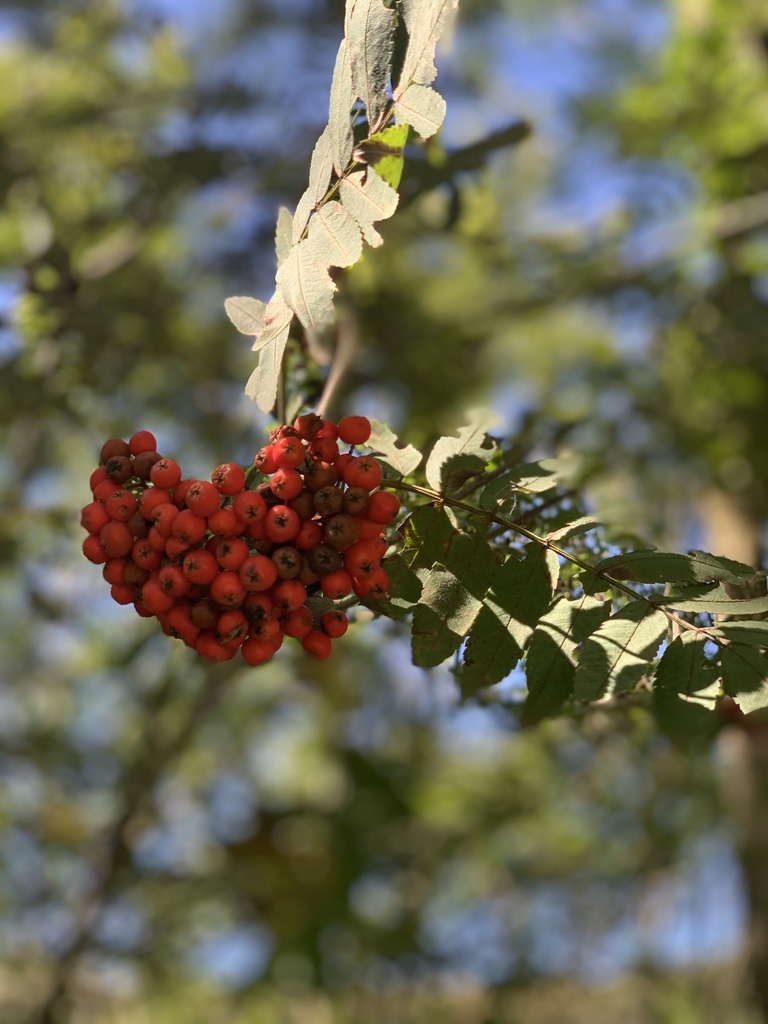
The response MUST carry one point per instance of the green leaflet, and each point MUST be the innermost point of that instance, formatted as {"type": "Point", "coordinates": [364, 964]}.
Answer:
{"type": "Point", "coordinates": [745, 676]}
{"type": "Point", "coordinates": [451, 598]}
{"type": "Point", "coordinates": [454, 459]}
{"type": "Point", "coordinates": [685, 690]}
{"type": "Point", "coordinates": [383, 443]}
{"type": "Point", "coordinates": [427, 534]}
{"type": "Point", "coordinates": [384, 152]}
{"type": "Point", "coordinates": [405, 589]}
{"type": "Point", "coordinates": [750, 632]}
{"type": "Point", "coordinates": [662, 567]}
{"type": "Point", "coordinates": [615, 658]}
{"type": "Point", "coordinates": [518, 595]}
{"type": "Point", "coordinates": [550, 663]}
{"type": "Point", "coordinates": [713, 600]}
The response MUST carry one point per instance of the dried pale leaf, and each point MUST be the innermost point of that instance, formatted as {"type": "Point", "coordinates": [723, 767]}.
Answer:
{"type": "Point", "coordinates": [246, 314]}
{"type": "Point", "coordinates": [369, 31]}
{"type": "Point", "coordinates": [421, 107]}
{"type": "Point", "coordinates": [342, 98]}
{"type": "Point", "coordinates": [277, 318]}
{"type": "Point", "coordinates": [335, 235]}
{"type": "Point", "coordinates": [368, 198]}
{"type": "Point", "coordinates": [307, 286]}
{"type": "Point", "coordinates": [320, 171]}
{"type": "Point", "coordinates": [283, 235]}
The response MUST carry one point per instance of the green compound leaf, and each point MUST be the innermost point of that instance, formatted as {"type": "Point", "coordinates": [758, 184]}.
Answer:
{"type": "Point", "coordinates": [573, 529]}
{"type": "Point", "coordinates": [537, 477]}
{"type": "Point", "coordinates": [550, 662]}
{"type": "Point", "coordinates": [745, 676]}
{"type": "Point", "coordinates": [442, 618]}
{"type": "Point", "coordinates": [454, 459]}
{"type": "Point", "coordinates": [751, 632]}
{"type": "Point", "coordinates": [615, 658]}
{"type": "Point", "coordinates": [383, 443]}
{"type": "Point", "coordinates": [427, 534]}
{"type": "Point", "coordinates": [498, 493]}
{"type": "Point", "coordinates": [405, 589]}
{"type": "Point", "coordinates": [384, 152]}
{"type": "Point", "coordinates": [713, 600]}
{"type": "Point", "coordinates": [519, 594]}
{"type": "Point", "coordinates": [685, 690]}
{"type": "Point", "coordinates": [662, 567]}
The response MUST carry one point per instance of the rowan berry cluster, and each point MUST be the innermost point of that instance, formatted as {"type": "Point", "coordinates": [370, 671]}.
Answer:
{"type": "Point", "coordinates": [233, 563]}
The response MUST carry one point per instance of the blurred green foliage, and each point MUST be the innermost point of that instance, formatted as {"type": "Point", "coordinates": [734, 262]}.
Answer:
{"type": "Point", "coordinates": [342, 842]}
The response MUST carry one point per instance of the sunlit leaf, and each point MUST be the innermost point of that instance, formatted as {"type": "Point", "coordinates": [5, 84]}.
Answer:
{"type": "Point", "coordinates": [335, 235]}
{"type": "Point", "coordinates": [369, 30]}
{"type": "Point", "coordinates": [685, 689]}
{"type": "Point", "coordinates": [283, 235]}
{"type": "Point", "coordinates": [615, 658]}
{"type": "Point", "coordinates": [662, 567]}
{"type": "Point", "coordinates": [421, 107]}
{"type": "Point", "coordinates": [369, 199]}
{"type": "Point", "coordinates": [550, 661]}
{"type": "Point", "coordinates": [320, 171]}
{"type": "Point", "coordinates": [306, 284]}
{"type": "Point", "coordinates": [750, 632]}
{"type": "Point", "coordinates": [384, 152]}
{"type": "Point", "coordinates": [383, 443]}
{"type": "Point", "coordinates": [427, 534]}
{"type": "Point", "coordinates": [573, 529]}
{"type": "Point", "coordinates": [745, 676]}
{"type": "Point", "coordinates": [342, 98]}
{"type": "Point", "coordinates": [710, 599]}
{"type": "Point", "coordinates": [246, 314]}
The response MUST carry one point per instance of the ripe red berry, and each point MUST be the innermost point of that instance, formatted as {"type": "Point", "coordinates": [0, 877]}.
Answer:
{"type": "Point", "coordinates": [93, 516]}
{"type": "Point", "coordinates": [281, 524]}
{"type": "Point", "coordinates": [154, 598]}
{"type": "Point", "coordinates": [189, 527]}
{"type": "Point", "coordinates": [249, 507]}
{"type": "Point", "coordinates": [116, 539]}
{"type": "Point", "coordinates": [258, 573]}
{"type": "Point", "coordinates": [323, 449]}
{"type": "Point", "coordinates": [361, 558]}
{"type": "Point", "coordinates": [122, 594]}
{"type": "Point", "coordinates": [288, 452]}
{"type": "Point", "coordinates": [145, 556]}
{"type": "Point", "coordinates": [288, 595]}
{"type": "Point", "coordinates": [334, 622]}
{"type": "Point", "coordinates": [308, 425]}
{"type": "Point", "coordinates": [200, 566]}
{"type": "Point", "coordinates": [164, 516]}
{"type": "Point", "coordinates": [165, 473]}
{"type": "Point", "coordinates": [113, 570]}
{"type": "Point", "coordinates": [142, 441]}
{"type": "Point", "coordinates": [202, 498]}
{"type": "Point", "coordinates": [228, 479]}
{"type": "Point", "coordinates": [383, 507]}
{"type": "Point", "coordinates": [232, 627]}
{"type": "Point", "coordinates": [286, 484]}
{"type": "Point", "coordinates": [256, 651]}
{"type": "Point", "coordinates": [227, 590]}
{"type": "Point", "coordinates": [354, 429]}
{"type": "Point", "coordinates": [225, 523]}
{"type": "Point", "coordinates": [121, 505]}
{"type": "Point", "coordinates": [264, 460]}
{"type": "Point", "coordinates": [363, 472]}
{"type": "Point", "coordinates": [317, 644]}
{"type": "Point", "coordinates": [151, 498]}
{"type": "Point", "coordinates": [336, 585]}
{"type": "Point", "coordinates": [173, 581]}
{"type": "Point", "coordinates": [310, 533]}
{"type": "Point", "coordinates": [207, 646]}
{"type": "Point", "coordinates": [298, 622]}
{"type": "Point", "coordinates": [93, 550]}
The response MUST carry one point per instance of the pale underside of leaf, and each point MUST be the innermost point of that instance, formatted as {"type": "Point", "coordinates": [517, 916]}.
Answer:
{"type": "Point", "coordinates": [368, 29]}
{"type": "Point", "coordinates": [424, 20]}
{"type": "Point", "coordinates": [307, 286]}
{"type": "Point", "coordinates": [368, 198]}
{"type": "Point", "coordinates": [320, 171]}
{"type": "Point", "coordinates": [615, 658]}
{"type": "Point", "coordinates": [335, 236]}
{"type": "Point", "coordinates": [277, 318]}
{"type": "Point", "coordinates": [283, 235]}
{"type": "Point", "coordinates": [263, 382]}
{"type": "Point", "coordinates": [383, 443]}
{"type": "Point", "coordinates": [421, 107]}
{"type": "Point", "coordinates": [342, 98]}
{"type": "Point", "coordinates": [246, 314]}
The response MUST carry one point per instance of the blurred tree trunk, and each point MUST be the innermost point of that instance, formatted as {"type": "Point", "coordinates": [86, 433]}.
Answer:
{"type": "Point", "coordinates": [733, 530]}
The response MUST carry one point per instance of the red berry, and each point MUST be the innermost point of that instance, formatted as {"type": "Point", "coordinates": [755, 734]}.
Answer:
{"type": "Point", "coordinates": [115, 446]}
{"type": "Point", "coordinates": [189, 527]}
{"type": "Point", "coordinates": [269, 631]}
{"type": "Point", "coordinates": [363, 472]}
{"type": "Point", "coordinates": [173, 581]}
{"type": "Point", "coordinates": [298, 622]}
{"type": "Point", "coordinates": [151, 498]}
{"type": "Point", "coordinates": [232, 628]}
{"type": "Point", "coordinates": [288, 595]}
{"type": "Point", "coordinates": [335, 623]}
{"type": "Point", "coordinates": [361, 559]}
{"type": "Point", "coordinates": [383, 507]}
{"type": "Point", "coordinates": [227, 590]}
{"type": "Point", "coordinates": [154, 598]}
{"type": "Point", "coordinates": [317, 644]}
{"type": "Point", "coordinates": [264, 460]}
{"type": "Point", "coordinates": [200, 566]}
{"type": "Point", "coordinates": [310, 533]}
{"type": "Point", "coordinates": [142, 441]}
{"type": "Point", "coordinates": [225, 523]}
{"type": "Point", "coordinates": [288, 452]}
{"type": "Point", "coordinates": [258, 573]}
{"type": "Point", "coordinates": [230, 552]}
{"type": "Point", "coordinates": [98, 476]}
{"type": "Point", "coordinates": [122, 594]}
{"type": "Point", "coordinates": [116, 539]}
{"type": "Point", "coordinates": [354, 429]}
{"type": "Point", "coordinates": [166, 474]}
{"type": "Point", "coordinates": [207, 646]}
{"type": "Point", "coordinates": [202, 498]}
{"type": "Point", "coordinates": [249, 507]}
{"type": "Point", "coordinates": [286, 484]}
{"type": "Point", "coordinates": [308, 425]}
{"type": "Point", "coordinates": [256, 651]}
{"type": "Point", "coordinates": [228, 479]}
{"type": "Point", "coordinates": [113, 570]}
{"type": "Point", "coordinates": [164, 516]}
{"type": "Point", "coordinates": [93, 550]}
{"type": "Point", "coordinates": [281, 524]}
{"type": "Point", "coordinates": [336, 585]}
{"type": "Point", "coordinates": [145, 556]}
{"type": "Point", "coordinates": [93, 516]}
{"type": "Point", "coordinates": [323, 449]}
